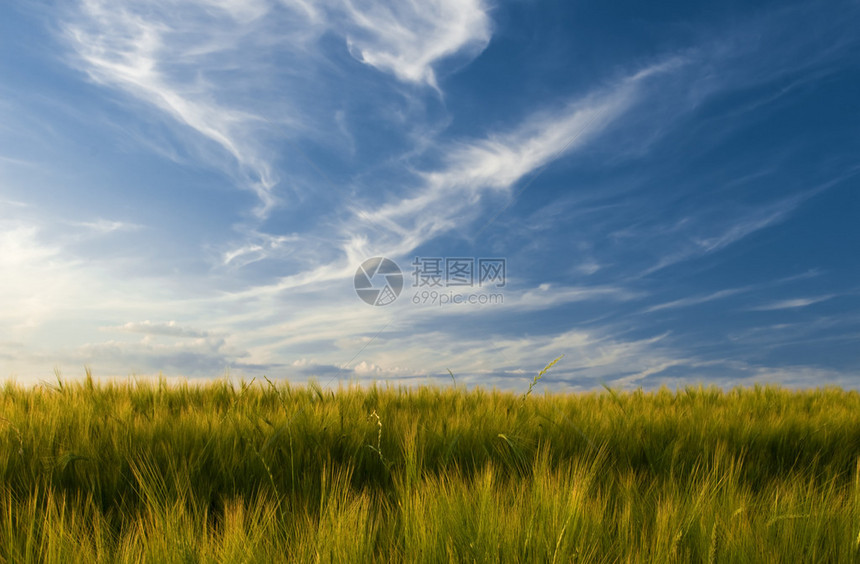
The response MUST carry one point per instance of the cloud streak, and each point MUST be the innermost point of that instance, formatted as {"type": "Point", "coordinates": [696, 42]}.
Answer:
{"type": "Point", "coordinates": [793, 303]}
{"type": "Point", "coordinates": [407, 38]}
{"type": "Point", "coordinates": [169, 329]}
{"type": "Point", "coordinates": [167, 56]}
{"type": "Point", "coordinates": [450, 197]}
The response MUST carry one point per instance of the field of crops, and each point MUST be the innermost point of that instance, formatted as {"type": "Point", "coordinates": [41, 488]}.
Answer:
{"type": "Point", "coordinates": [267, 472]}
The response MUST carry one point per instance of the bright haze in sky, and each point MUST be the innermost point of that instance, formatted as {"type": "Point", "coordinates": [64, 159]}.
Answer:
{"type": "Point", "coordinates": [664, 193]}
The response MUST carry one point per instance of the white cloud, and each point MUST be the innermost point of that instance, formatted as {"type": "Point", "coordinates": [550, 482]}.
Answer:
{"type": "Point", "coordinates": [705, 235]}
{"type": "Point", "coordinates": [728, 292]}
{"type": "Point", "coordinates": [450, 196]}
{"type": "Point", "coordinates": [509, 362]}
{"type": "Point", "coordinates": [793, 303]}
{"type": "Point", "coordinates": [18, 163]}
{"type": "Point", "coordinates": [756, 221]}
{"type": "Point", "coordinates": [104, 226]}
{"type": "Point", "coordinates": [164, 53]}
{"type": "Point", "coordinates": [183, 357]}
{"type": "Point", "coordinates": [205, 63]}
{"type": "Point", "coordinates": [261, 246]}
{"type": "Point", "coordinates": [407, 38]}
{"type": "Point", "coordinates": [170, 328]}
{"type": "Point", "coordinates": [321, 305]}
{"type": "Point", "coordinates": [686, 302]}
{"type": "Point", "coordinates": [53, 305]}
{"type": "Point", "coordinates": [547, 296]}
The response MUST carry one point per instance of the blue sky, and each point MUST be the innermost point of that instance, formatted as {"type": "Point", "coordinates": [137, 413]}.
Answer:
{"type": "Point", "coordinates": [188, 187]}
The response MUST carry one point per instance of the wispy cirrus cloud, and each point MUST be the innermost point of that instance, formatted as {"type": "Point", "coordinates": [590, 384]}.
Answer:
{"type": "Point", "coordinates": [727, 293]}
{"type": "Point", "coordinates": [261, 246]}
{"type": "Point", "coordinates": [408, 39]}
{"type": "Point", "coordinates": [451, 195]}
{"type": "Point", "coordinates": [793, 303]}
{"type": "Point", "coordinates": [203, 63]}
{"type": "Point", "coordinates": [509, 361]}
{"type": "Point", "coordinates": [686, 302]}
{"type": "Point", "coordinates": [164, 54]}
{"type": "Point", "coordinates": [103, 226]}
{"type": "Point", "coordinates": [700, 236]}
{"type": "Point", "coordinates": [169, 328]}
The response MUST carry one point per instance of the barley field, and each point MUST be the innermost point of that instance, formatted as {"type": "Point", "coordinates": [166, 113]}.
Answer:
{"type": "Point", "coordinates": [268, 472]}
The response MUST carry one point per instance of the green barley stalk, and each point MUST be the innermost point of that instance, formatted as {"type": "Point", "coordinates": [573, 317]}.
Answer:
{"type": "Point", "coordinates": [378, 448]}
{"type": "Point", "coordinates": [539, 376]}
